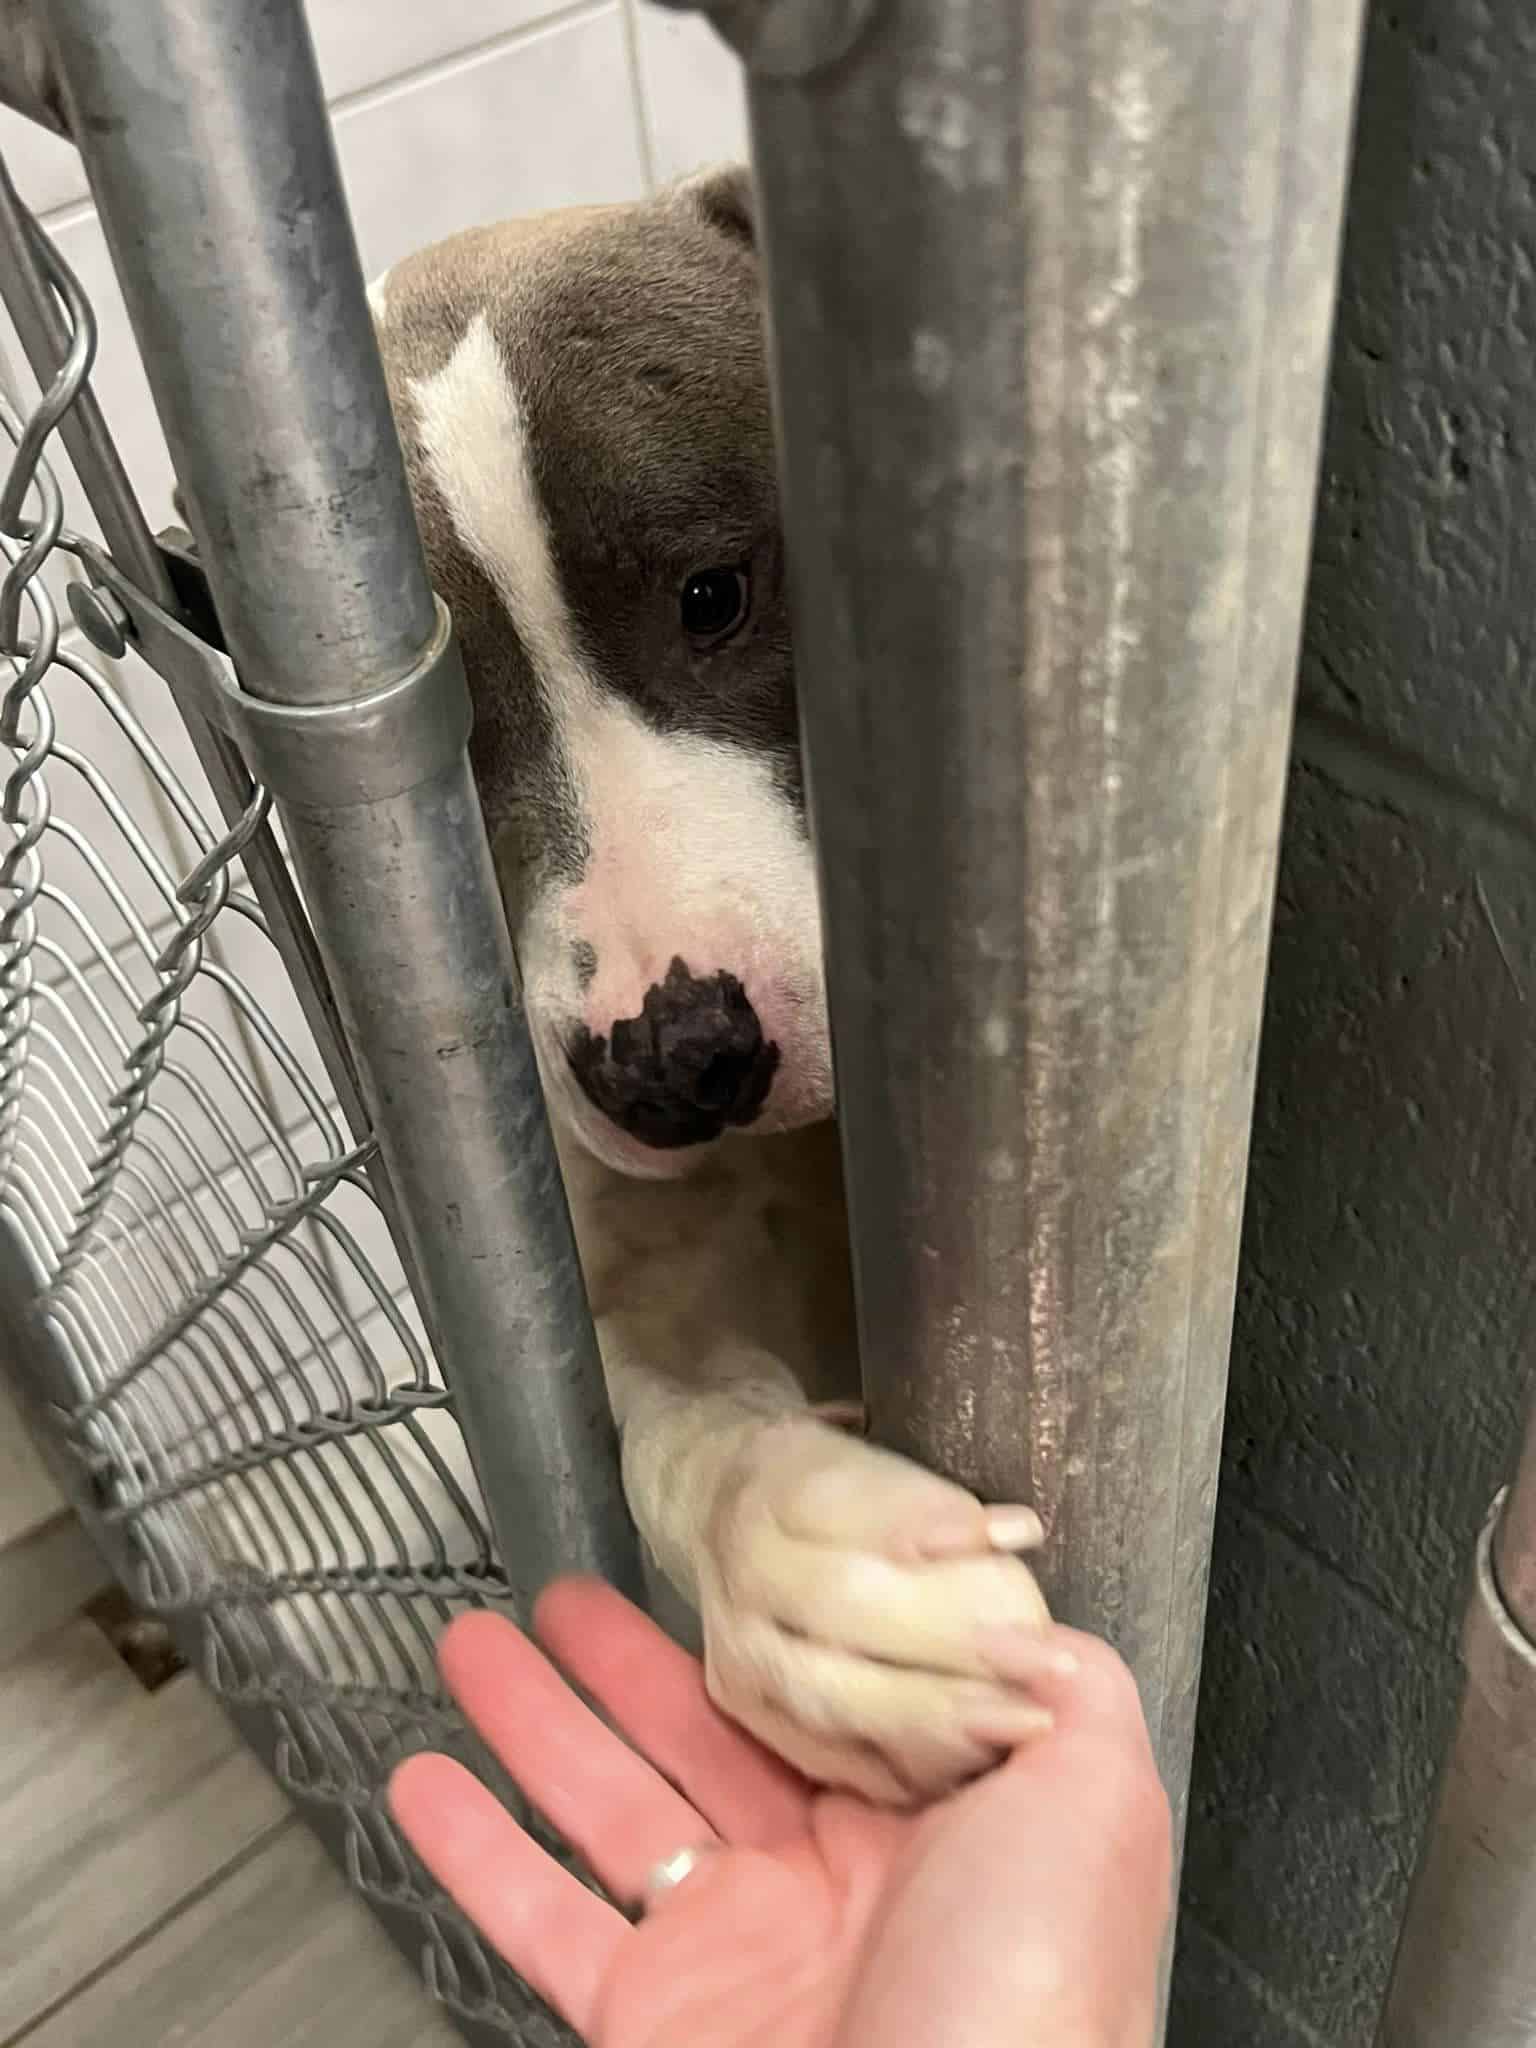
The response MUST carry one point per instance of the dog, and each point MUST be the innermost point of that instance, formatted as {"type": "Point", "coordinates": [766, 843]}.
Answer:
{"type": "Point", "coordinates": [584, 403]}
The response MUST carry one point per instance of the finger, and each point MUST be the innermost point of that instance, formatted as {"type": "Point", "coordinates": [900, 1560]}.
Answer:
{"type": "Point", "coordinates": [554, 1932]}
{"type": "Point", "coordinates": [657, 1695]}
{"type": "Point", "coordinates": [934, 1616]}
{"type": "Point", "coordinates": [619, 1814]}
{"type": "Point", "coordinates": [1096, 1698]}
{"type": "Point", "coordinates": [1072, 1835]}
{"type": "Point", "coordinates": [898, 1508]}
{"type": "Point", "coordinates": [1097, 1772]}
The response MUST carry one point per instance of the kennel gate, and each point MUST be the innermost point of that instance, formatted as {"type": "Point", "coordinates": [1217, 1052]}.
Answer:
{"type": "Point", "coordinates": [1050, 419]}
{"type": "Point", "coordinates": [205, 1283]}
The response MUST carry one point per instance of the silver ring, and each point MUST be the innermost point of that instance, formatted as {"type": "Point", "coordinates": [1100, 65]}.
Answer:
{"type": "Point", "coordinates": [673, 1870]}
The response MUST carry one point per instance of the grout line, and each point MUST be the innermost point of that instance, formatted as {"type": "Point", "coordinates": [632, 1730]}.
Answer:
{"type": "Point", "coordinates": [1379, 771]}
{"type": "Point", "coordinates": [156, 1927]}
{"type": "Point", "coordinates": [1319, 1561]}
{"type": "Point", "coordinates": [1264, 1992]}
{"type": "Point", "coordinates": [73, 211]}
{"type": "Point", "coordinates": [646, 138]}
{"type": "Point", "coordinates": [450, 63]}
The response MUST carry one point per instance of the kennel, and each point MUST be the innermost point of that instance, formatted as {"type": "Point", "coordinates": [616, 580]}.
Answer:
{"type": "Point", "coordinates": [1051, 294]}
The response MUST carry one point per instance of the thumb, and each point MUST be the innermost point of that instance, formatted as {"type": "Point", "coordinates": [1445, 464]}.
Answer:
{"type": "Point", "coordinates": [1035, 1903]}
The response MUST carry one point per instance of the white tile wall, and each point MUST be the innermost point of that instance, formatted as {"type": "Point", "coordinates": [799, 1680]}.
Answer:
{"type": "Point", "coordinates": [361, 43]}
{"type": "Point", "coordinates": [447, 113]}
{"type": "Point", "coordinates": [540, 120]}
{"type": "Point", "coordinates": [691, 93]}
{"type": "Point", "coordinates": [48, 171]}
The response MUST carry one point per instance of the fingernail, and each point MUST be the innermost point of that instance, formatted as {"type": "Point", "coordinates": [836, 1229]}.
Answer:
{"type": "Point", "coordinates": [1024, 1653]}
{"type": "Point", "coordinates": [960, 1538]}
{"type": "Point", "coordinates": [1010, 1724]}
{"type": "Point", "coordinates": [1014, 1528]}
{"type": "Point", "coordinates": [849, 1415]}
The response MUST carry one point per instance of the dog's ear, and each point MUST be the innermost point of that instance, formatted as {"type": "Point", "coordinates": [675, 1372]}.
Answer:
{"type": "Point", "coordinates": [722, 198]}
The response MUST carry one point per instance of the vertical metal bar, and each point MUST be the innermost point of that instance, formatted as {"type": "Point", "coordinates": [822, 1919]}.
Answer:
{"type": "Point", "coordinates": [1465, 1973]}
{"type": "Point", "coordinates": [207, 144]}
{"type": "Point", "coordinates": [1051, 292]}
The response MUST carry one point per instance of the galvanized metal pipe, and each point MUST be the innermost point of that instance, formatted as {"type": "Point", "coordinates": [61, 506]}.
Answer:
{"type": "Point", "coordinates": [1465, 1972]}
{"type": "Point", "coordinates": [209, 153]}
{"type": "Point", "coordinates": [1051, 291]}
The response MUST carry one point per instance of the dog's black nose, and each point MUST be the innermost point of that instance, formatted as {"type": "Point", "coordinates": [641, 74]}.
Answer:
{"type": "Point", "coordinates": [694, 1061]}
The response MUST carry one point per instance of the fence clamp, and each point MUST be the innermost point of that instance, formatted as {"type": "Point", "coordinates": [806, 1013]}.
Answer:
{"type": "Point", "coordinates": [1500, 1661]}
{"type": "Point", "coordinates": [785, 38]}
{"type": "Point", "coordinates": [366, 749]}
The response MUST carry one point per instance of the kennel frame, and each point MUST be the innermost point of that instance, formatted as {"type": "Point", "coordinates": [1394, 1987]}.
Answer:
{"type": "Point", "coordinates": [354, 717]}
{"type": "Point", "coordinates": [329, 1741]}
{"type": "Point", "coordinates": [245, 293]}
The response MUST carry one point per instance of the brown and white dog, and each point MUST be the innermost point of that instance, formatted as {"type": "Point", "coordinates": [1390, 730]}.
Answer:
{"type": "Point", "coordinates": [584, 403]}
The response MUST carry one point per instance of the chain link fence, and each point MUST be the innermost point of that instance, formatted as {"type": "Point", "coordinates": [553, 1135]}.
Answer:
{"type": "Point", "coordinates": [218, 1338]}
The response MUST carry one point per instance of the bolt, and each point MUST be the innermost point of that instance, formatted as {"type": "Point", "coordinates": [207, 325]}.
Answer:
{"type": "Point", "coordinates": [102, 618]}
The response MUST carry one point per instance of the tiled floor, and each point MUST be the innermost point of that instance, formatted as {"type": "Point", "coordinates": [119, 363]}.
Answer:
{"type": "Point", "coordinates": [156, 1888]}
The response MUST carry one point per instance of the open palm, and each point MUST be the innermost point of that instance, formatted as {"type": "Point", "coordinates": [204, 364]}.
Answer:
{"type": "Point", "coordinates": [1030, 1905]}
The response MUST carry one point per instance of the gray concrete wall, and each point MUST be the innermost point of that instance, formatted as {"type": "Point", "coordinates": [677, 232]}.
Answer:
{"type": "Point", "coordinates": [1387, 1319]}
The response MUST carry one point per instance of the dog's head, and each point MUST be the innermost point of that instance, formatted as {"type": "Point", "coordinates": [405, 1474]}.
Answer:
{"type": "Point", "coordinates": [584, 403]}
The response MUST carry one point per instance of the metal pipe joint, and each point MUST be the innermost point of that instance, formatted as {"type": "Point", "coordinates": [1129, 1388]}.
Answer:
{"type": "Point", "coordinates": [786, 38]}
{"type": "Point", "coordinates": [359, 750]}
{"type": "Point", "coordinates": [1465, 1971]}
{"type": "Point", "coordinates": [1500, 1659]}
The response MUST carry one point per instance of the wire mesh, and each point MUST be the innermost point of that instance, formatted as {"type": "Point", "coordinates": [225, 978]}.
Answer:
{"type": "Point", "coordinates": [236, 1373]}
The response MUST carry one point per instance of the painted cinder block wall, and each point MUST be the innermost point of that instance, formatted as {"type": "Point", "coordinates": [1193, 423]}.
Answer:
{"type": "Point", "coordinates": [1386, 1329]}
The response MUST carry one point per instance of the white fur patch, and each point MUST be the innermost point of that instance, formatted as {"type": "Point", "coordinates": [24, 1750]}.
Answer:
{"type": "Point", "coordinates": [694, 851]}
{"type": "Point", "coordinates": [475, 435]}
{"type": "Point", "coordinates": [378, 298]}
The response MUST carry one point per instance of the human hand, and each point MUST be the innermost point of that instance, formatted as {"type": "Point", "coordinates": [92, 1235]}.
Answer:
{"type": "Point", "coordinates": [1029, 1906]}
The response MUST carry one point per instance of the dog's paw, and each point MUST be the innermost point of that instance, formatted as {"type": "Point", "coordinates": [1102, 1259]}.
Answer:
{"type": "Point", "coordinates": [868, 1621]}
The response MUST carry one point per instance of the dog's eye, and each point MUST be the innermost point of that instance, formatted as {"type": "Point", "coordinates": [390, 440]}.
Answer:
{"type": "Point", "coordinates": [713, 603]}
